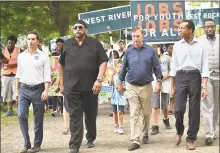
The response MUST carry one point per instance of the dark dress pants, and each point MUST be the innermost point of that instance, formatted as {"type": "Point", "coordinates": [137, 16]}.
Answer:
{"type": "Point", "coordinates": [188, 84]}
{"type": "Point", "coordinates": [80, 102]}
{"type": "Point", "coordinates": [26, 97]}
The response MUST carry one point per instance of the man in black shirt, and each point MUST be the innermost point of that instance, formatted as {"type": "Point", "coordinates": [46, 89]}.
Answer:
{"type": "Point", "coordinates": [82, 66]}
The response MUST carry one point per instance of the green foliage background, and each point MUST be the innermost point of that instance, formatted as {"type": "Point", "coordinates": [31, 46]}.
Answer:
{"type": "Point", "coordinates": [52, 19]}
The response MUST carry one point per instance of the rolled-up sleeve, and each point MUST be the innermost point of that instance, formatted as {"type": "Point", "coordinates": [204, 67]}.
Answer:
{"type": "Point", "coordinates": [124, 67]}
{"type": "Point", "coordinates": [173, 63]}
{"type": "Point", "coordinates": [19, 70]}
{"type": "Point", "coordinates": [62, 58]}
{"type": "Point", "coordinates": [205, 65]}
{"type": "Point", "coordinates": [47, 70]}
{"type": "Point", "coordinates": [102, 55]}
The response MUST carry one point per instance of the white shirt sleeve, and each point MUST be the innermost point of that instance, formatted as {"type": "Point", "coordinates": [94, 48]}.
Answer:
{"type": "Point", "coordinates": [205, 65]}
{"type": "Point", "coordinates": [19, 70]}
{"type": "Point", "coordinates": [47, 69]}
{"type": "Point", "coordinates": [173, 63]}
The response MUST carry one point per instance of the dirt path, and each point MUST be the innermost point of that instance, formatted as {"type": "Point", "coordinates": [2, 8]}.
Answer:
{"type": "Point", "coordinates": [106, 142]}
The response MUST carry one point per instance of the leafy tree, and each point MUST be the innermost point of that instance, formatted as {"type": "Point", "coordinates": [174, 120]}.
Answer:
{"type": "Point", "coordinates": [50, 19]}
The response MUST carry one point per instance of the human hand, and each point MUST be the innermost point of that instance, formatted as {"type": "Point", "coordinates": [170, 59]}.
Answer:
{"type": "Point", "coordinates": [157, 87]}
{"type": "Point", "coordinates": [44, 95]}
{"type": "Point", "coordinates": [97, 87]}
{"type": "Point", "coordinates": [204, 93]}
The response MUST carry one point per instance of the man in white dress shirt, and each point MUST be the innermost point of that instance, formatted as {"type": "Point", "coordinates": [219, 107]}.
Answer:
{"type": "Point", "coordinates": [189, 66]}
{"type": "Point", "coordinates": [32, 83]}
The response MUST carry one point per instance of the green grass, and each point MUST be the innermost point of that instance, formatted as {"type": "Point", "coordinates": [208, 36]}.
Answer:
{"type": "Point", "coordinates": [13, 120]}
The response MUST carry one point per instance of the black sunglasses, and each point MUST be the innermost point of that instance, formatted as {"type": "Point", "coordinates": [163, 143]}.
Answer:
{"type": "Point", "coordinates": [79, 27]}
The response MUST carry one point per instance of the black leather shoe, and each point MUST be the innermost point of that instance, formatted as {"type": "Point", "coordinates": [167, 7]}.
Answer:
{"type": "Point", "coordinates": [35, 149]}
{"type": "Point", "coordinates": [208, 141]}
{"type": "Point", "coordinates": [133, 146]}
{"type": "Point", "coordinates": [73, 151]}
{"type": "Point", "coordinates": [89, 145]}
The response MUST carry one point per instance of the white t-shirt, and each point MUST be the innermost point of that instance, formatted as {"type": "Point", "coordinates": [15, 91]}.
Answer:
{"type": "Point", "coordinates": [120, 53]}
{"type": "Point", "coordinates": [165, 67]}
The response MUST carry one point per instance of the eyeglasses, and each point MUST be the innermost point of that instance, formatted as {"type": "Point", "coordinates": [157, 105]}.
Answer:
{"type": "Point", "coordinates": [207, 27]}
{"type": "Point", "coordinates": [79, 27]}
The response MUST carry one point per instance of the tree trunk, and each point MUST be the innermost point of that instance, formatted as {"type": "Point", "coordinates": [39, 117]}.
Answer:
{"type": "Point", "coordinates": [63, 25]}
{"type": "Point", "coordinates": [61, 18]}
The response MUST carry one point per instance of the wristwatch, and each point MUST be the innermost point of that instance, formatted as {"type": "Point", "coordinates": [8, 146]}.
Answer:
{"type": "Point", "coordinates": [99, 80]}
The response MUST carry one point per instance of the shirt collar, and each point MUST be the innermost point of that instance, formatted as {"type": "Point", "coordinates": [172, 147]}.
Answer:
{"type": "Point", "coordinates": [144, 46]}
{"type": "Point", "coordinates": [194, 40]}
{"type": "Point", "coordinates": [84, 42]}
{"type": "Point", "coordinates": [36, 52]}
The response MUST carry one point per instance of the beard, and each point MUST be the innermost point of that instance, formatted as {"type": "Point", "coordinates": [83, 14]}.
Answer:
{"type": "Point", "coordinates": [79, 35]}
{"type": "Point", "coordinates": [211, 35]}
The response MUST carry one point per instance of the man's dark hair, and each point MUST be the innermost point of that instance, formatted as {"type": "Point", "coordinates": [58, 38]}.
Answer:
{"type": "Point", "coordinates": [13, 38]}
{"type": "Point", "coordinates": [190, 25]}
{"type": "Point", "coordinates": [208, 19]}
{"type": "Point", "coordinates": [35, 33]}
{"type": "Point", "coordinates": [59, 40]}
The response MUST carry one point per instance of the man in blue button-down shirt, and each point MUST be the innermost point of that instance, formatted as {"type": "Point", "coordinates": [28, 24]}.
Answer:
{"type": "Point", "coordinates": [139, 61]}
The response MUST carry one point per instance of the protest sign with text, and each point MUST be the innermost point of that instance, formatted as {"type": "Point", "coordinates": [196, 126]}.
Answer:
{"type": "Point", "coordinates": [199, 15]}
{"type": "Point", "coordinates": [105, 20]}
{"type": "Point", "coordinates": [159, 19]}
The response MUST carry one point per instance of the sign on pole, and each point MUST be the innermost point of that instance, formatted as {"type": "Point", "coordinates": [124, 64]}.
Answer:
{"type": "Point", "coordinates": [105, 20]}
{"type": "Point", "coordinates": [199, 15]}
{"type": "Point", "coordinates": [159, 19]}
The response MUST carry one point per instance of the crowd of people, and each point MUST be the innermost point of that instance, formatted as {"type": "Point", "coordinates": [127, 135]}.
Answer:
{"type": "Point", "coordinates": [147, 78]}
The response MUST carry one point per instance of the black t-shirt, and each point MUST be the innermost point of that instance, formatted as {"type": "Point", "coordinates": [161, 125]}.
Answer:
{"type": "Point", "coordinates": [81, 63]}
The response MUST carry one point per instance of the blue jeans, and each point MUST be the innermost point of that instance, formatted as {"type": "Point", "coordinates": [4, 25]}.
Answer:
{"type": "Point", "coordinates": [28, 95]}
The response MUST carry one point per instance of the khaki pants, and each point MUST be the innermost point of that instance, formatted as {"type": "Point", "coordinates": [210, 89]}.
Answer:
{"type": "Point", "coordinates": [210, 108]}
{"type": "Point", "coordinates": [139, 98]}
{"type": "Point", "coordinates": [8, 88]}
